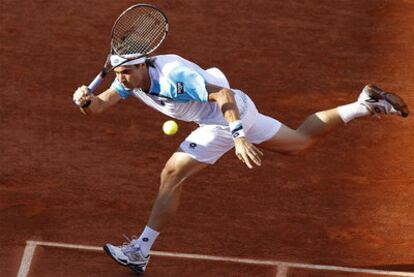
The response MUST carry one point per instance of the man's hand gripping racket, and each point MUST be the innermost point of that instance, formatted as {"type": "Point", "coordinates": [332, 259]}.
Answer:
{"type": "Point", "coordinates": [137, 32]}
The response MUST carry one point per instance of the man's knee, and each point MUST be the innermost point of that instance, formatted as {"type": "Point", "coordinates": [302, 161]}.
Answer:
{"type": "Point", "coordinates": [178, 168]}
{"type": "Point", "coordinates": [171, 178]}
{"type": "Point", "coordinates": [299, 148]}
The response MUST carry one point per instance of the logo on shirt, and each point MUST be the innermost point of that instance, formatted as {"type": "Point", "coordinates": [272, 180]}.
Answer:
{"type": "Point", "coordinates": [180, 87]}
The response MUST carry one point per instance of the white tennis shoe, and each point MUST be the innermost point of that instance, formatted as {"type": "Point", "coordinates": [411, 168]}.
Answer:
{"type": "Point", "coordinates": [129, 254]}
{"type": "Point", "coordinates": [379, 102]}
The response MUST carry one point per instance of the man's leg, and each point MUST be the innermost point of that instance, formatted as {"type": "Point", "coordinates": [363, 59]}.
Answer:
{"type": "Point", "coordinates": [135, 254]}
{"type": "Point", "coordinates": [316, 126]}
{"type": "Point", "coordinates": [372, 101]}
{"type": "Point", "coordinates": [178, 168]}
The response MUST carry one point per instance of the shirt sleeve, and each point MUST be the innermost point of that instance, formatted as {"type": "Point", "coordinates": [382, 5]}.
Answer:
{"type": "Point", "coordinates": [189, 85]}
{"type": "Point", "coordinates": [122, 91]}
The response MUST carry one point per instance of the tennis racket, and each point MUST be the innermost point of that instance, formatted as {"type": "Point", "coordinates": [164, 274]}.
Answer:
{"type": "Point", "coordinates": [137, 32]}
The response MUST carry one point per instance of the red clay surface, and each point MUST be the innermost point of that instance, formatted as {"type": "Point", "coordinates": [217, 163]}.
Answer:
{"type": "Point", "coordinates": [318, 273]}
{"type": "Point", "coordinates": [69, 178]}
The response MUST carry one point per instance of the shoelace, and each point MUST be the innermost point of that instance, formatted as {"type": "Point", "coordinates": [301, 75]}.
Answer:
{"type": "Point", "coordinates": [129, 246]}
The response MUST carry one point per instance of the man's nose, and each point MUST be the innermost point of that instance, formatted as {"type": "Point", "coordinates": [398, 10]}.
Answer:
{"type": "Point", "coordinates": [121, 78]}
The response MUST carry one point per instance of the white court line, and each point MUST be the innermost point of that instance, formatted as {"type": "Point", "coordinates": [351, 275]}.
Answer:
{"type": "Point", "coordinates": [27, 259]}
{"type": "Point", "coordinates": [282, 271]}
{"type": "Point", "coordinates": [282, 266]}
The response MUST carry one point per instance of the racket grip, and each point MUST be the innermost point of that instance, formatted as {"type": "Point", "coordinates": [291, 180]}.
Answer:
{"type": "Point", "coordinates": [96, 82]}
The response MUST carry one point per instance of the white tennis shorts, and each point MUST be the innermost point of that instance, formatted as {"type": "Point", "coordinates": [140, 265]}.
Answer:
{"type": "Point", "coordinates": [209, 142]}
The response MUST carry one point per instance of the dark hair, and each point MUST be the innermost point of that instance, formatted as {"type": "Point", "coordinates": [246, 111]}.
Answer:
{"type": "Point", "coordinates": [150, 61]}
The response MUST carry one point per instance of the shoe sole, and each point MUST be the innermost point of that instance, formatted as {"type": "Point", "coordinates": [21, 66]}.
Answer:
{"type": "Point", "coordinates": [395, 101]}
{"type": "Point", "coordinates": [133, 267]}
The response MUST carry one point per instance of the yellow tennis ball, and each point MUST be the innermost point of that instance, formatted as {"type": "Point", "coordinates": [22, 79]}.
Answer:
{"type": "Point", "coordinates": [170, 127]}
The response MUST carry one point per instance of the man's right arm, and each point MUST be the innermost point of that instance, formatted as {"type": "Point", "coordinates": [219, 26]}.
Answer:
{"type": "Point", "coordinates": [90, 104]}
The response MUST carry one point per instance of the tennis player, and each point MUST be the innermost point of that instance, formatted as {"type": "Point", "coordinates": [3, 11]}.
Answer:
{"type": "Point", "coordinates": [227, 118]}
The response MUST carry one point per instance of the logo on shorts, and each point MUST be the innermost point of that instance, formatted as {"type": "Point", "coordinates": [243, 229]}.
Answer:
{"type": "Point", "coordinates": [180, 87]}
{"type": "Point", "coordinates": [145, 239]}
{"type": "Point", "coordinates": [193, 145]}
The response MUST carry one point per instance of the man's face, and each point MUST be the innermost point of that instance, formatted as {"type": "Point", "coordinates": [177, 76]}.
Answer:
{"type": "Point", "coordinates": [131, 76]}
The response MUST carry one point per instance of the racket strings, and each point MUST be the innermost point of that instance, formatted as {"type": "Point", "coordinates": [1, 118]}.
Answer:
{"type": "Point", "coordinates": [138, 42]}
{"type": "Point", "coordinates": [139, 31]}
{"type": "Point", "coordinates": [152, 32]}
{"type": "Point", "coordinates": [152, 38]}
{"type": "Point", "coordinates": [142, 40]}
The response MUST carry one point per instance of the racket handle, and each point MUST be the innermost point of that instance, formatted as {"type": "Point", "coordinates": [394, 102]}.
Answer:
{"type": "Point", "coordinates": [96, 82]}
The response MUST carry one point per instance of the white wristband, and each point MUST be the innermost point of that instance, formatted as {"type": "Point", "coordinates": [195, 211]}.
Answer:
{"type": "Point", "coordinates": [236, 129]}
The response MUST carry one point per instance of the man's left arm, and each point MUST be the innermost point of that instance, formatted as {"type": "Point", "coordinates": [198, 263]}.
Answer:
{"type": "Point", "coordinates": [245, 151]}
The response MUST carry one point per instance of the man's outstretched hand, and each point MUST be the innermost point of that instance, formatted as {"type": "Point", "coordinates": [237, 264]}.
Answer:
{"type": "Point", "coordinates": [247, 152]}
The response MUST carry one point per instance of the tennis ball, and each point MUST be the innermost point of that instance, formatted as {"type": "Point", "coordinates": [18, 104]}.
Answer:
{"type": "Point", "coordinates": [170, 127]}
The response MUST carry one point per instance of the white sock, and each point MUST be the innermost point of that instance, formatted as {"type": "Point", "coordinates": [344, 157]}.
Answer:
{"type": "Point", "coordinates": [352, 111]}
{"type": "Point", "coordinates": [146, 240]}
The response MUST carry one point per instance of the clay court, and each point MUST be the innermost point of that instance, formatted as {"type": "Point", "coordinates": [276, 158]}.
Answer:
{"type": "Point", "coordinates": [70, 183]}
